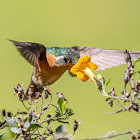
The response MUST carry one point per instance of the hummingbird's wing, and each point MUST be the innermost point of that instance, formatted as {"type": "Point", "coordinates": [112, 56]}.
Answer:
{"type": "Point", "coordinates": [30, 51]}
{"type": "Point", "coordinates": [106, 58]}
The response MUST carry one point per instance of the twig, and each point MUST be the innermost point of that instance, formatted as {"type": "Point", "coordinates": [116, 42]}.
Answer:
{"type": "Point", "coordinates": [33, 132]}
{"type": "Point", "coordinates": [118, 103]}
{"type": "Point", "coordinates": [23, 112]}
{"type": "Point", "coordinates": [3, 125]}
{"type": "Point", "coordinates": [40, 124]}
{"type": "Point", "coordinates": [42, 106]}
{"type": "Point", "coordinates": [121, 98]}
{"type": "Point", "coordinates": [123, 106]}
{"type": "Point", "coordinates": [42, 111]}
{"type": "Point", "coordinates": [16, 136]}
{"type": "Point", "coordinates": [24, 105]}
{"type": "Point", "coordinates": [54, 106]}
{"type": "Point", "coordinates": [122, 110]}
{"type": "Point", "coordinates": [41, 103]}
{"type": "Point", "coordinates": [110, 136]}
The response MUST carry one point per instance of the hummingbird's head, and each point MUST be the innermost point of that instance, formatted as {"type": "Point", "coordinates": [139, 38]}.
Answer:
{"type": "Point", "coordinates": [70, 57]}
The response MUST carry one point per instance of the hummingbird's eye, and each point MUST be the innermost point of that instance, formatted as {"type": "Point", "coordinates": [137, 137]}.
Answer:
{"type": "Point", "coordinates": [65, 59]}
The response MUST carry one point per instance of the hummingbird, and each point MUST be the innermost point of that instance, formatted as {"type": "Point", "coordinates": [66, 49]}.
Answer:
{"type": "Point", "coordinates": [49, 64]}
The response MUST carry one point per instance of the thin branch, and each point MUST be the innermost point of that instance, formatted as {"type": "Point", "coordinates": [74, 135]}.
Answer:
{"type": "Point", "coordinates": [3, 125]}
{"type": "Point", "coordinates": [41, 123]}
{"type": "Point", "coordinates": [24, 105]}
{"type": "Point", "coordinates": [42, 111]}
{"type": "Point", "coordinates": [16, 136]}
{"type": "Point", "coordinates": [122, 110]}
{"type": "Point", "coordinates": [18, 112]}
{"type": "Point", "coordinates": [110, 136]}
{"type": "Point", "coordinates": [41, 103]}
{"type": "Point", "coordinates": [42, 106]}
{"type": "Point", "coordinates": [33, 132]}
{"type": "Point", "coordinates": [121, 98]}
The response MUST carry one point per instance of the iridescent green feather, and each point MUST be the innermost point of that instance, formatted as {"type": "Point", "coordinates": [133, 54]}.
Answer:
{"type": "Point", "coordinates": [57, 51]}
{"type": "Point", "coordinates": [69, 53]}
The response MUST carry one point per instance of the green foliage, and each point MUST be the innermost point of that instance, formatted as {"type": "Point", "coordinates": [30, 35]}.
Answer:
{"type": "Point", "coordinates": [60, 129]}
{"type": "Point", "coordinates": [107, 82]}
{"type": "Point", "coordinates": [107, 99]}
{"type": "Point", "coordinates": [69, 112]}
{"type": "Point", "coordinates": [11, 121]}
{"type": "Point", "coordinates": [1, 134]}
{"type": "Point", "coordinates": [27, 125]}
{"type": "Point", "coordinates": [33, 126]}
{"type": "Point", "coordinates": [102, 82]}
{"type": "Point", "coordinates": [137, 60]}
{"type": "Point", "coordinates": [16, 130]}
{"type": "Point", "coordinates": [61, 104]}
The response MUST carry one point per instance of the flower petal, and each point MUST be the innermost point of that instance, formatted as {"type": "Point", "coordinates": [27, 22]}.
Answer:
{"type": "Point", "coordinates": [82, 76]}
{"type": "Point", "coordinates": [84, 59]}
{"type": "Point", "coordinates": [92, 66]}
{"type": "Point", "coordinates": [75, 69]}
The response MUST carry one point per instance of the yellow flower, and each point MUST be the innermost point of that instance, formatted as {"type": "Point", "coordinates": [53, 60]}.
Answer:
{"type": "Point", "coordinates": [83, 69]}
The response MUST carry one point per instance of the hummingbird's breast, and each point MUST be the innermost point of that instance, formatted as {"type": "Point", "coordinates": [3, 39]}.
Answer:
{"type": "Point", "coordinates": [48, 71]}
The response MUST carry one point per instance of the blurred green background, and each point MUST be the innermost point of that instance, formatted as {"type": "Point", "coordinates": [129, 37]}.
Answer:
{"type": "Point", "coordinates": [108, 24]}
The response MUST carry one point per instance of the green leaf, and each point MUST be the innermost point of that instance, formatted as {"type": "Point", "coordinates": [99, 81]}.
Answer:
{"type": "Point", "coordinates": [24, 118]}
{"type": "Point", "coordinates": [1, 134]}
{"type": "Point", "coordinates": [34, 126]}
{"type": "Point", "coordinates": [60, 129]}
{"type": "Point", "coordinates": [15, 130]}
{"type": "Point", "coordinates": [137, 72]}
{"type": "Point", "coordinates": [107, 99]}
{"type": "Point", "coordinates": [11, 121]}
{"type": "Point", "coordinates": [27, 124]}
{"type": "Point", "coordinates": [137, 60]}
{"type": "Point", "coordinates": [61, 104]}
{"type": "Point", "coordinates": [58, 114]}
{"type": "Point", "coordinates": [69, 112]}
{"type": "Point", "coordinates": [103, 81]}
{"type": "Point", "coordinates": [107, 83]}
